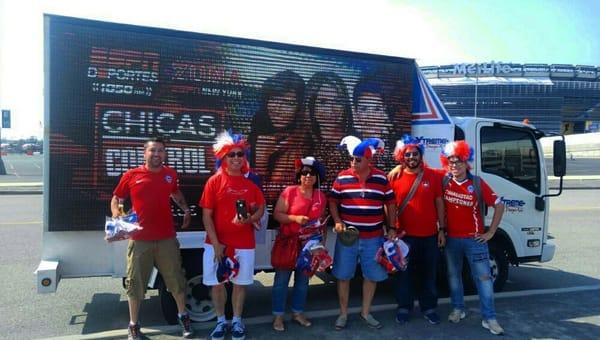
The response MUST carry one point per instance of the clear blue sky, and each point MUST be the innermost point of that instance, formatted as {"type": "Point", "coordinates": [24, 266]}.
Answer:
{"type": "Point", "coordinates": [432, 32]}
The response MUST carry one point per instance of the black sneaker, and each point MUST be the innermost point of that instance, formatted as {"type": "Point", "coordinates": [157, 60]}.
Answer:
{"type": "Point", "coordinates": [186, 324]}
{"type": "Point", "coordinates": [402, 317]}
{"type": "Point", "coordinates": [432, 317]}
{"type": "Point", "coordinates": [133, 332]}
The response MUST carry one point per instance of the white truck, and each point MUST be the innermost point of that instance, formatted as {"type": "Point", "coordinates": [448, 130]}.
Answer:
{"type": "Point", "coordinates": [108, 87]}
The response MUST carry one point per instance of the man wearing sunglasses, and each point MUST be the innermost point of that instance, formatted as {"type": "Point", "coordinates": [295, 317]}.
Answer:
{"type": "Point", "coordinates": [464, 196]}
{"type": "Point", "coordinates": [360, 197]}
{"type": "Point", "coordinates": [418, 192]}
{"type": "Point", "coordinates": [230, 231]}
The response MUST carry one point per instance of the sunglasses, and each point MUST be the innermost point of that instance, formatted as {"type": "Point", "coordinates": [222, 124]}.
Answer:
{"type": "Point", "coordinates": [239, 154]}
{"type": "Point", "coordinates": [455, 163]}
{"type": "Point", "coordinates": [356, 159]}
{"type": "Point", "coordinates": [307, 172]}
{"type": "Point", "coordinates": [411, 154]}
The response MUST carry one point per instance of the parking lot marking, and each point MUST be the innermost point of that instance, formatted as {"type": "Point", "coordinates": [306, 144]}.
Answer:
{"type": "Point", "coordinates": [20, 223]}
{"type": "Point", "coordinates": [319, 314]}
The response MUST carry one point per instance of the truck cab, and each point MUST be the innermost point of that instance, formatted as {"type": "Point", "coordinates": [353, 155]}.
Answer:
{"type": "Point", "coordinates": [509, 157]}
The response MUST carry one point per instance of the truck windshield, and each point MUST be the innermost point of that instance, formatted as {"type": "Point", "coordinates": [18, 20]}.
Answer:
{"type": "Point", "coordinates": [511, 153]}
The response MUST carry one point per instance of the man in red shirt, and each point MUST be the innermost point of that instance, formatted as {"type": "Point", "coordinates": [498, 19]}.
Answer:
{"type": "Point", "coordinates": [151, 188]}
{"type": "Point", "coordinates": [467, 236]}
{"type": "Point", "coordinates": [421, 220]}
{"type": "Point", "coordinates": [230, 233]}
{"type": "Point", "coordinates": [361, 197]}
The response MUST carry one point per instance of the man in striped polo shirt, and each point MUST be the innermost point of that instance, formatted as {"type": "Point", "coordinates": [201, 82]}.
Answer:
{"type": "Point", "coordinates": [360, 197]}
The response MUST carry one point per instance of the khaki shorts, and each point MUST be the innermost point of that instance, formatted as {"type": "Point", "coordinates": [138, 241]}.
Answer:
{"type": "Point", "coordinates": [142, 256]}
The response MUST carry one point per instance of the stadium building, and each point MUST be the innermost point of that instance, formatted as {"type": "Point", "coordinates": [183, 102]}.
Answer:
{"type": "Point", "coordinates": [554, 98]}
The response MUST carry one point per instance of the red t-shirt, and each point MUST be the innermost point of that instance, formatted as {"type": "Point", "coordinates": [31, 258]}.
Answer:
{"type": "Point", "coordinates": [150, 194]}
{"type": "Point", "coordinates": [419, 217]}
{"type": "Point", "coordinates": [221, 194]}
{"type": "Point", "coordinates": [299, 205]}
{"type": "Point", "coordinates": [463, 215]}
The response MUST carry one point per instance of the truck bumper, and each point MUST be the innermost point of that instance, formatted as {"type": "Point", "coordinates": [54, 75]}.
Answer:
{"type": "Point", "coordinates": [548, 250]}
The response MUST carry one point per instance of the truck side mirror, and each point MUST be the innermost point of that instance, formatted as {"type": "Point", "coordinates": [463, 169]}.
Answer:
{"type": "Point", "coordinates": [560, 158]}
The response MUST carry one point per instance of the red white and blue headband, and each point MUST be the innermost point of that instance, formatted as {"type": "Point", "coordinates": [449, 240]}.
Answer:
{"type": "Point", "coordinates": [227, 141]}
{"type": "Point", "coordinates": [404, 144]}
{"type": "Point", "coordinates": [365, 148]}
{"type": "Point", "coordinates": [459, 149]}
{"type": "Point", "coordinates": [312, 163]}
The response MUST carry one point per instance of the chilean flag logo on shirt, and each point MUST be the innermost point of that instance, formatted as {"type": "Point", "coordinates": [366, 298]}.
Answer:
{"type": "Point", "coordinates": [168, 179]}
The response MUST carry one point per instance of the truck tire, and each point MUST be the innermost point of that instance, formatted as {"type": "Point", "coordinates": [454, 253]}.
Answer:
{"type": "Point", "coordinates": [498, 265]}
{"type": "Point", "coordinates": [198, 303]}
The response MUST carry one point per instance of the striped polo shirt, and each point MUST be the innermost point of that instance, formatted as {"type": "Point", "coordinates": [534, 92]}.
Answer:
{"type": "Point", "coordinates": [362, 204]}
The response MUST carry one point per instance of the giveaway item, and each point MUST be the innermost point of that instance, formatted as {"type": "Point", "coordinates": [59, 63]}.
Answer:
{"type": "Point", "coordinates": [392, 255]}
{"type": "Point", "coordinates": [313, 258]}
{"type": "Point", "coordinates": [228, 267]}
{"type": "Point", "coordinates": [349, 236]}
{"type": "Point", "coordinates": [285, 251]}
{"type": "Point", "coordinates": [313, 227]}
{"type": "Point", "coordinates": [121, 228]}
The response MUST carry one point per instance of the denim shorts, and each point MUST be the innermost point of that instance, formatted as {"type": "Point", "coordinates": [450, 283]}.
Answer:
{"type": "Point", "coordinates": [363, 251]}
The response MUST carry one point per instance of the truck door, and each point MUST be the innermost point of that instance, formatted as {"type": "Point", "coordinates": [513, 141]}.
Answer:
{"type": "Point", "coordinates": [509, 160]}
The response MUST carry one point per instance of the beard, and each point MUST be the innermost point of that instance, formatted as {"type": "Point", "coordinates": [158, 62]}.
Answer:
{"type": "Point", "coordinates": [412, 164]}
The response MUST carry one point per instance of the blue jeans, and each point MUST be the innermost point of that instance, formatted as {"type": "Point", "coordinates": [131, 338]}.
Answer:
{"type": "Point", "coordinates": [280, 290]}
{"type": "Point", "coordinates": [423, 259]}
{"type": "Point", "coordinates": [346, 259]}
{"type": "Point", "coordinates": [477, 255]}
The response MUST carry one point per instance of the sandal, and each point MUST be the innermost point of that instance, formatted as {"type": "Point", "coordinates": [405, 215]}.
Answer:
{"type": "Point", "coordinates": [278, 324]}
{"type": "Point", "coordinates": [301, 320]}
{"type": "Point", "coordinates": [371, 321]}
{"type": "Point", "coordinates": [340, 322]}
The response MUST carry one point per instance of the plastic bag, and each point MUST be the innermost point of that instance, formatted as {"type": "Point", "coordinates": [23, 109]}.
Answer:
{"type": "Point", "coordinates": [393, 255]}
{"type": "Point", "coordinates": [313, 258]}
{"type": "Point", "coordinates": [121, 228]}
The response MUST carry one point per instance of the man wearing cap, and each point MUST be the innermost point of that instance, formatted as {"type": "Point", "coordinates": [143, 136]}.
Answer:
{"type": "Point", "coordinates": [151, 187]}
{"type": "Point", "coordinates": [360, 198]}
{"type": "Point", "coordinates": [418, 192]}
{"type": "Point", "coordinates": [463, 196]}
{"type": "Point", "coordinates": [230, 233]}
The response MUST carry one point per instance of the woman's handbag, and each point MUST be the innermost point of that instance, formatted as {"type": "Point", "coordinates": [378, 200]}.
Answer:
{"type": "Point", "coordinates": [285, 251]}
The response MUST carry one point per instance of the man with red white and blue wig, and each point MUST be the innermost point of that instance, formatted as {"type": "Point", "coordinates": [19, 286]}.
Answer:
{"type": "Point", "coordinates": [463, 195]}
{"type": "Point", "coordinates": [361, 198]}
{"type": "Point", "coordinates": [230, 232]}
{"type": "Point", "coordinates": [418, 192]}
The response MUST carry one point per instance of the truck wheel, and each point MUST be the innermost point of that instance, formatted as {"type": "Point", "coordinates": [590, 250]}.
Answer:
{"type": "Point", "coordinates": [197, 302]}
{"type": "Point", "coordinates": [498, 265]}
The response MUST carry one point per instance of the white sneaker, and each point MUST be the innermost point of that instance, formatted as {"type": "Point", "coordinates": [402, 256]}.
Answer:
{"type": "Point", "coordinates": [493, 326]}
{"type": "Point", "coordinates": [456, 315]}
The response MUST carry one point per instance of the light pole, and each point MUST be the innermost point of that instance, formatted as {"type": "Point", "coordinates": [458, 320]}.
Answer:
{"type": "Point", "coordinates": [476, 85]}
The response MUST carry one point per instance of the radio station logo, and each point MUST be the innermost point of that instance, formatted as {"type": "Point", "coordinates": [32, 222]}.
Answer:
{"type": "Point", "coordinates": [123, 72]}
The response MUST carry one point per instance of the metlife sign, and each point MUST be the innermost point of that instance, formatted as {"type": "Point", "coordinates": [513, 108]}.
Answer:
{"type": "Point", "coordinates": [499, 69]}
{"type": "Point", "coordinates": [483, 69]}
